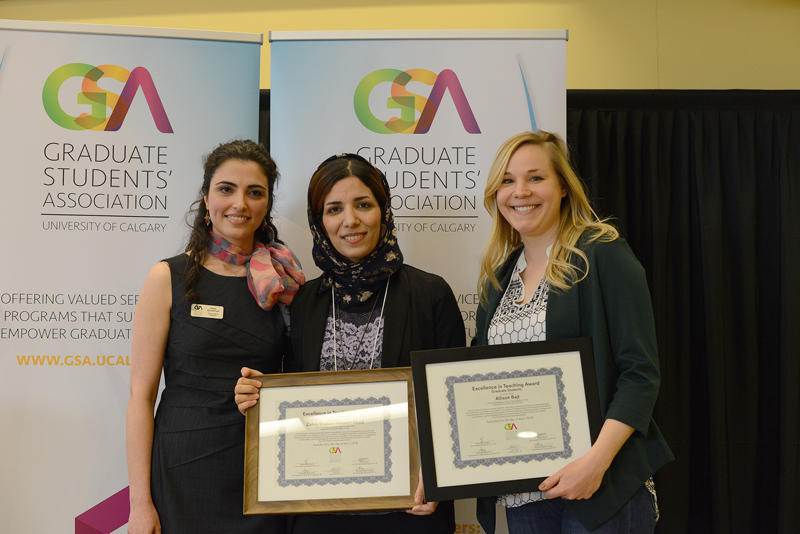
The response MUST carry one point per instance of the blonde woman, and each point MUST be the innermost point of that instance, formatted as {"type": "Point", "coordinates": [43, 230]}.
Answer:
{"type": "Point", "coordinates": [554, 267]}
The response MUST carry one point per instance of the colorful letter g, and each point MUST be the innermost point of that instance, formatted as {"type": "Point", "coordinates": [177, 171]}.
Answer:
{"type": "Point", "coordinates": [99, 99]}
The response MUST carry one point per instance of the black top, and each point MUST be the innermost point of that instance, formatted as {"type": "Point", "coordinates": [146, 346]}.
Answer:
{"type": "Point", "coordinates": [198, 440]}
{"type": "Point", "coordinates": [421, 313]}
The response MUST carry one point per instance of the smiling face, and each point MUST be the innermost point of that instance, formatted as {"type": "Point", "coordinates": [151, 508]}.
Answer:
{"type": "Point", "coordinates": [237, 201]}
{"type": "Point", "coordinates": [530, 193]}
{"type": "Point", "coordinates": [352, 218]}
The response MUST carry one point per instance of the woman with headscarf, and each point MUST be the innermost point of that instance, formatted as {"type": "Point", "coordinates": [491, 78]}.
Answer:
{"type": "Point", "coordinates": [367, 310]}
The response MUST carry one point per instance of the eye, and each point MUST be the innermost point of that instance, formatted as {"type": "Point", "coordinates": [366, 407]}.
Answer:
{"type": "Point", "coordinates": [507, 181]}
{"type": "Point", "coordinates": [535, 178]}
{"type": "Point", "coordinates": [257, 193]}
{"type": "Point", "coordinates": [224, 188]}
{"type": "Point", "coordinates": [365, 205]}
{"type": "Point", "coordinates": [332, 210]}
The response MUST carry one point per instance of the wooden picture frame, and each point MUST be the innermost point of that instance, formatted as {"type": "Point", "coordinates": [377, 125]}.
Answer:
{"type": "Point", "coordinates": [293, 461]}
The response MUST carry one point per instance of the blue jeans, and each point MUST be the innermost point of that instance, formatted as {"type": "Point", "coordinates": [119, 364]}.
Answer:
{"type": "Point", "coordinates": [637, 516]}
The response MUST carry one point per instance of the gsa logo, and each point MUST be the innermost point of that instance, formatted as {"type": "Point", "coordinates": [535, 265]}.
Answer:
{"type": "Point", "coordinates": [511, 426]}
{"type": "Point", "coordinates": [335, 450]}
{"type": "Point", "coordinates": [101, 99]}
{"type": "Point", "coordinates": [409, 103]}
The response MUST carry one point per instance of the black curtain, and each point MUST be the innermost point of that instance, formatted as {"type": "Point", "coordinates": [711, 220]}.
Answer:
{"type": "Point", "coordinates": [706, 185]}
{"type": "Point", "coordinates": [263, 118]}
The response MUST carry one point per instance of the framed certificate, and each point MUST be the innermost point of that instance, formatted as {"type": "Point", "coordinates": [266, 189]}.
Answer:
{"type": "Point", "coordinates": [332, 441]}
{"type": "Point", "coordinates": [499, 419]}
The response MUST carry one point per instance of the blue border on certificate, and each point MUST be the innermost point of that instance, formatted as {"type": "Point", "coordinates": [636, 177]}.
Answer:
{"type": "Point", "coordinates": [387, 444]}
{"type": "Point", "coordinates": [459, 463]}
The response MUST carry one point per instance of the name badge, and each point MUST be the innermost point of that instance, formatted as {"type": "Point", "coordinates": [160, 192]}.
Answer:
{"type": "Point", "coordinates": [208, 311]}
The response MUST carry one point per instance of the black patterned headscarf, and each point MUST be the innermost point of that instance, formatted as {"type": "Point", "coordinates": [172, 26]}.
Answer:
{"type": "Point", "coordinates": [355, 282]}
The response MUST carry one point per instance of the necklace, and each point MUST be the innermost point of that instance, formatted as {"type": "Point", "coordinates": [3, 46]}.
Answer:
{"type": "Point", "coordinates": [361, 338]}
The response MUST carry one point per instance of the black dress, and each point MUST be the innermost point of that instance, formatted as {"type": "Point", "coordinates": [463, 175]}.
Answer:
{"type": "Point", "coordinates": [197, 470]}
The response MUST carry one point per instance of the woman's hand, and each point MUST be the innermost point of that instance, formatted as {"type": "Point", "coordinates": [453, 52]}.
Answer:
{"type": "Point", "coordinates": [421, 507]}
{"type": "Point", "coordinates": [576, 480]}
{"type": "Point", "coordinates": [143, 519]}
{"type": "Point", "coordinates": [581, 478]}
{"type": "Point", "coordinates": [246, 390]}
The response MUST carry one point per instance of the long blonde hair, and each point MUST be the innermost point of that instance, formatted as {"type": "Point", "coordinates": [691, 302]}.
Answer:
{"type": "Point", "coordinates": [577, 217]}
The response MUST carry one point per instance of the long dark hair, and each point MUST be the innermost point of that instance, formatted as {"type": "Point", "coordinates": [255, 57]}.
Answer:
{"type": "Point", "coordinates": [245, 150]}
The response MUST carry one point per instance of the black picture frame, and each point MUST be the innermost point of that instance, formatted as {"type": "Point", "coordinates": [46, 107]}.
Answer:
{"type": "Point", "coordinates": [472, 478]}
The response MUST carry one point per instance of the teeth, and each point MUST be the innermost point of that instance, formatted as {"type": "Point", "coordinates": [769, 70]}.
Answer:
{"type": "Point", "coordinates": [352, 237]}
{"type": "Point", "coordinates": [524, 209]}
{"type": "Point", "coordinates": [237, 218]}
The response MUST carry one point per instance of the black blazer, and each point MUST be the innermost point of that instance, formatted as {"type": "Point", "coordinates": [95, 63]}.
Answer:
{"type": "Point", "coordinates": [421, 313]}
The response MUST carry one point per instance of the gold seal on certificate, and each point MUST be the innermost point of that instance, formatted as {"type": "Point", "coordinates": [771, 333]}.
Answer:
{"type": "Point", "coordinates": [499, 419]}
{"type": "Point", "coordinates": [332, 441]}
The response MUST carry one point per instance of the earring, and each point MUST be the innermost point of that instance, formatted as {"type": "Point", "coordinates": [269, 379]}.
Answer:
{"type": "Point", "coordinates": [207, 220]}
{"type": "Point", "coordinates": [265, 225]}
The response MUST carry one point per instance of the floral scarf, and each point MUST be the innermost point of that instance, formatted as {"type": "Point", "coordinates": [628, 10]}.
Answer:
{"type": "Point", "coordinates": [356, 282]}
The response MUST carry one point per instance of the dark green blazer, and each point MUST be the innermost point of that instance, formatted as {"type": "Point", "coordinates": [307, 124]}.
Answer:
{"type": "Point", "coordinates": [612, 306]}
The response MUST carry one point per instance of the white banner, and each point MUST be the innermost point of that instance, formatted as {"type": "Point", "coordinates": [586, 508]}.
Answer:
{"type": "Point", "coordinates": [103, 133]}
{"type": "Point", "coordinates": [429, 109]}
